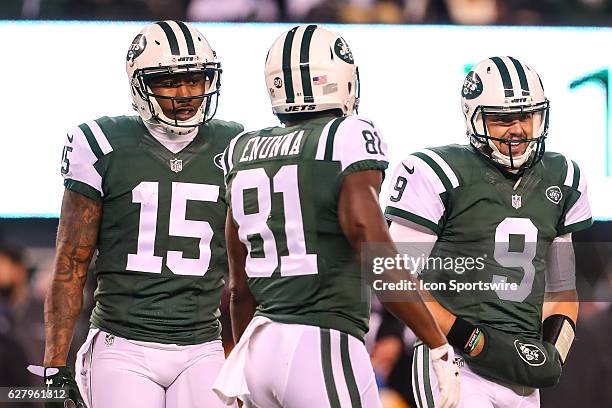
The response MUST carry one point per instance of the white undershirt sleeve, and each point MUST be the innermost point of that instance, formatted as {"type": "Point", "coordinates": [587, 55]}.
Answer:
{"type": "Point", "coordinates": [561, 265]}
{"type": "Point", "coordinates": [413, 240]}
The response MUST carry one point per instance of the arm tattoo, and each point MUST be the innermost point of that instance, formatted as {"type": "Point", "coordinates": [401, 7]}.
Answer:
{"type": "Point", "coordinates": [77, 238]}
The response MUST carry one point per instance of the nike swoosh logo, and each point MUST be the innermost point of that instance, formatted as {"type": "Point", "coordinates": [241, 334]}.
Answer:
{"type": "Point", "coordinates": [410, 171]}
{"type": "Point", "coordinates": [70, 137]}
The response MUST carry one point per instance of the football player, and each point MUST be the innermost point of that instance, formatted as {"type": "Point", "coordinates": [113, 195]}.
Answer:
{"type": "Point", "coordinates": [147, 193]}
{"type": "Point", "coordinates": [303, 198]}
{"type": "Point", "coordinates": [517, 206]}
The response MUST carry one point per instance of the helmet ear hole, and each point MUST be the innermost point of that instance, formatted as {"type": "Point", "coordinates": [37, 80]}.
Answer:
{"type": "Point", "coordinates": [350, 87]}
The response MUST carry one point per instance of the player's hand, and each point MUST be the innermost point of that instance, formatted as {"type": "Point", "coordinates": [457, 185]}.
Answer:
{"type": "Point", "coordinates": [447, 372]}
{"type": "Point", "coordinates": [60, 378]}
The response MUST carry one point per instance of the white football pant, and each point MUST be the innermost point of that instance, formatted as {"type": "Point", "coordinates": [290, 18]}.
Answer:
{"type": "Point", "coordinates": [298, 366]}
{"type": "Point", "coordinates": [113, 372]}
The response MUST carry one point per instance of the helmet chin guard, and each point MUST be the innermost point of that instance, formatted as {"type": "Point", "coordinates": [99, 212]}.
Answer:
{"type": "Point", "coordinates": [172, 48]}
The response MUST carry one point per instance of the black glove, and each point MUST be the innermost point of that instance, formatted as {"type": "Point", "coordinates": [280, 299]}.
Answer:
{"type": "Point", "coordinates": [61, 382]}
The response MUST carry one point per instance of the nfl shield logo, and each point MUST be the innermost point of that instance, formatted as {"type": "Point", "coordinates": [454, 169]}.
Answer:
{"type": "Point", "coordinates": [516, 201]}
{"type": "Point", "coordinates": [176, 165]}
{"type": "Point", "coordinates": [109, 339]}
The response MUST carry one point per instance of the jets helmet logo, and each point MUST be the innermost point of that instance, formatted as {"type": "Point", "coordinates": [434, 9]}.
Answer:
{"type": "Point", "coordinates": [530, 353]}
{"type": "Point", "coordinates": [343, 51]}
{"type": "Point", "coordinates": [554, 194]}
{"type": "Point", "coordinates": [137, 47]}
{"type": "Point", "coordinates": [472, 86]}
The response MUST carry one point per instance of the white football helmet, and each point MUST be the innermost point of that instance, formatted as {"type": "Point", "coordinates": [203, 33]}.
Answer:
{"type": "Point", "coordinates": [171, 47]}
{"type": "Point", "coordinates": [311, 69]}
{"type": "Point", "coordinates": [505, 85]}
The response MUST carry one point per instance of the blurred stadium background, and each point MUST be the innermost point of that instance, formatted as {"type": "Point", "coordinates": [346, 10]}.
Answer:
{"type": "Point", "coordinates": [63, 64]}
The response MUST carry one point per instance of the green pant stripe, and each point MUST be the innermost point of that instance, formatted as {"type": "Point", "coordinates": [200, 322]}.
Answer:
{"type": "Point", "coordinates": [415, 378]}
{"type": "Point", "coordinates": [349, 376]}
{"type": "Point", "coordinates": [426, 379]}
{"type": "Point", "coordinates": [328, 374]}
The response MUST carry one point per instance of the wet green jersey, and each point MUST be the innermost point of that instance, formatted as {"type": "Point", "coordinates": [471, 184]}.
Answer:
{"type": "Point", "coordinates": [504, 223]}
{"type": "Point", "coordinates": [283, 186]}
{"type": "Point", "coordinates": [161, 250]}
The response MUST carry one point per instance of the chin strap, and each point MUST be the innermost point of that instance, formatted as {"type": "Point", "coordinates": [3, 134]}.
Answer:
{"type": "Point", "coordinates": [512, 163]}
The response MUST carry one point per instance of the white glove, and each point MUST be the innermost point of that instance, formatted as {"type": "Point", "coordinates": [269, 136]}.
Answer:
{"type": "Point", "coordinates": [447, 373]}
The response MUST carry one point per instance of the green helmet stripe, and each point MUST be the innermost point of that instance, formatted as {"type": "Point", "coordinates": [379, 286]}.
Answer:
{"type": "Point", "coordinates": [287, 79]}
{"type": "Point", "coordinates": [305, 63]}
{"type": "Point", "coordinates": [188, 37]}
{"type": "Point", "coordinates": [174, 47]}
{"type": "Point", "coordinates": [521, 74]}
{"type": "Point", "coordinates": [505, 76]}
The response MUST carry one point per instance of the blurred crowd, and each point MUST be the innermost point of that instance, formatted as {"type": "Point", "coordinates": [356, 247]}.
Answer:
{"type": "Point", "coordinates": [585, 382]}
{"type": "Point", "coordinates": [480, 12]}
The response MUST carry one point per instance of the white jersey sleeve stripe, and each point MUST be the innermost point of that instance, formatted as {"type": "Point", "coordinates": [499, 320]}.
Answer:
{"type": "Point", "coordinates": [443, 165]}
{"type": "Point", "coordinates": [569, 176]}
{"type": "Point", "coordinates": [323, 141]}
{"type": "Point", "coordinates": [100, 137]}
{"type": "Point", "coordinates": [581, 210]}
{"type": "Point", "coordinates": [230, 151]}
{"type": "Point", "coordinates": [432, 177]}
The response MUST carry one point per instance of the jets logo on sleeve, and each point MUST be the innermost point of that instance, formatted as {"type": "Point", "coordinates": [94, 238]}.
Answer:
{"type": "Point", "coordinates": [530, 353]}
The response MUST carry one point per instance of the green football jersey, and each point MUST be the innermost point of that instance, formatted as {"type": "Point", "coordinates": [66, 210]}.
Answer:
{"type": "Point", "coordinates": [161, 248]}
{"type": "Point", "coordinates": [283, 186]}
{"type": "Point", "coordinates": [504, 223]}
